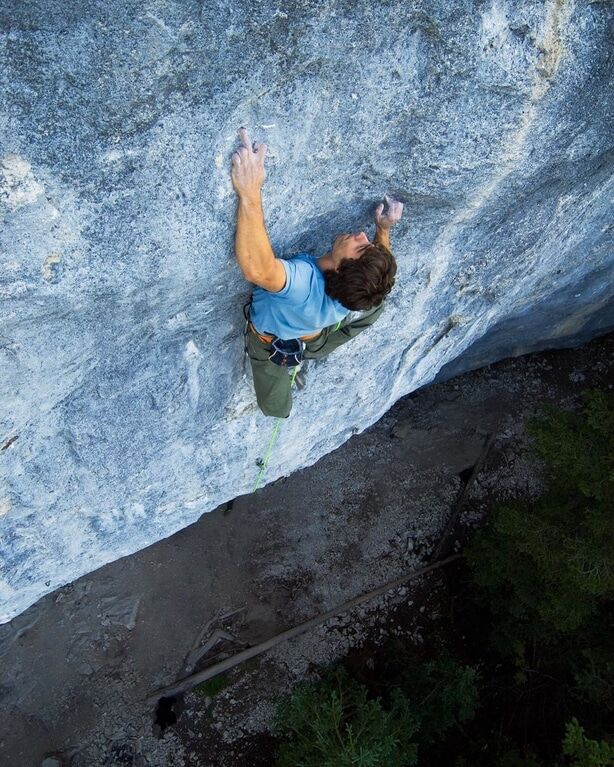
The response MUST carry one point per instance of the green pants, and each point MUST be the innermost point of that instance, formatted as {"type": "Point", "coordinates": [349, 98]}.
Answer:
{"type": "Point", "coordinates": [272, 382]}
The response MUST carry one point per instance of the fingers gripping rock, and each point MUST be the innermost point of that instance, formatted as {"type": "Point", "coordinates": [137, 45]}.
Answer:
{"type": "Point", "coordinates": [247, 171]}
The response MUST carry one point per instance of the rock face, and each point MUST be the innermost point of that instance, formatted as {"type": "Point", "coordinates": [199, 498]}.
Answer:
{"type": "Point", "coordinates": [126, 405]}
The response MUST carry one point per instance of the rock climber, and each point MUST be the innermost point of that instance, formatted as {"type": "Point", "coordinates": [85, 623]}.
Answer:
{"type": "Point", "coordinates": [306, 306]}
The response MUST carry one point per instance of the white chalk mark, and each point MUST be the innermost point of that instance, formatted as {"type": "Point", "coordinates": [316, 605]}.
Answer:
{"type": "Point", "coordinates": [160, 24]}
{"type": "Point", "coordinates": [193, 357]}
{"type": "Point", "coordinates": [18, 186]}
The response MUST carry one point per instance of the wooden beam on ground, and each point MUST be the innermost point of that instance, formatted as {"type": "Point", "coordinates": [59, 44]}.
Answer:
{"type": "Point", "coordinates": [444, 545]}
{"type": "Point", "coordinates": [183, 685]}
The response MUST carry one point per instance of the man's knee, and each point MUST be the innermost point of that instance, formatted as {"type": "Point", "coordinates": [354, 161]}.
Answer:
{"type": "Point", "coordinates": [274, 412]}
{"type": "Point", "coordinates": [274, 404]}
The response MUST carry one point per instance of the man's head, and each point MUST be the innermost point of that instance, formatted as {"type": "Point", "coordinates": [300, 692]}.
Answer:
{"type": "Point", "coordinates": [362, 272]}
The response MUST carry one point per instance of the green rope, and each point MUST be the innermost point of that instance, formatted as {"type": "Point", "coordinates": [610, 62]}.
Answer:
{"type": "Point", "coordinates": [263, 465]}
{"type": "Point", "coordinates": [272, 440]}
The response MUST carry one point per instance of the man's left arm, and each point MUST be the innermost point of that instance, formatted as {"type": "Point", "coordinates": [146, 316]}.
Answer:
{"type": "Point", "coordinates": [385, 221]}
{"type": "Point", "coordinates": [252, 245]}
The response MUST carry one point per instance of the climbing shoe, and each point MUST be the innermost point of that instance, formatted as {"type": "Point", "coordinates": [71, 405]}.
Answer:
{"type": "Point", "coordinates": [300, 378]}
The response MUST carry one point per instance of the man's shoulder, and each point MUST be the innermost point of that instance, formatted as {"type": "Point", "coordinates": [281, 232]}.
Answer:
{"type": "Point", "coordinates": [296, 280]}
{"type": "Point", "coordinates": [302, 267]}
{"type": "Point", "coordinates": [301, 255]}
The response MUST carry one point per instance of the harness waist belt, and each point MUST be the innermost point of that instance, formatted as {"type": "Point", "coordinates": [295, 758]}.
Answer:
{"type": "Point", "coordinates": [268, 339]}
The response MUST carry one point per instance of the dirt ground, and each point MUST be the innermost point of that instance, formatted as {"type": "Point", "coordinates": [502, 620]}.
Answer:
{"type": "Point", "coordinates": [78, 666]}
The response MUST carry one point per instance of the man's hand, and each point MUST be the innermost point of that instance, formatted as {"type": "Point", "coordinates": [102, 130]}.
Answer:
{"type": "Point", "coordinates": [390, 218]}
{"type": "Point", "coordinates": [248, 172]}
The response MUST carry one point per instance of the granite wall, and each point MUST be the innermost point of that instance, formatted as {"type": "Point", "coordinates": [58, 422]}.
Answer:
{"type": "Point", "coordinates": [126, 404]}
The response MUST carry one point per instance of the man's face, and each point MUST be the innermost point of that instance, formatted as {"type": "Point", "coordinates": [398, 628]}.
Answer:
{"type": "Point", "coordinates": [348, 246]}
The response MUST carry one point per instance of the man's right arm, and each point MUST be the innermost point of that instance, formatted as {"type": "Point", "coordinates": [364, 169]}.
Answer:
{"type": "Point", "coordinates": [252, 245]}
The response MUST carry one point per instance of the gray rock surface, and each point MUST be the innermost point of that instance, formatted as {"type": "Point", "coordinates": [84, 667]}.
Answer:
{"type": "Point", "coordinates": [126, 405]}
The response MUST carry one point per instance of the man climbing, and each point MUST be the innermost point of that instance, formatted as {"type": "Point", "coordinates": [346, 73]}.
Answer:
{"type": "Point", "coordinates": [307, 306]}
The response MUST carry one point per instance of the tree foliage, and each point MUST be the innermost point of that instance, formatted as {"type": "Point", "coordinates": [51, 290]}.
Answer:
{"type": "Point", "coordinates": [547, 568]}
{"type": "Point", "coordinates": [583, 751]}
{"type": "Point", "coordinates": [336, 723]}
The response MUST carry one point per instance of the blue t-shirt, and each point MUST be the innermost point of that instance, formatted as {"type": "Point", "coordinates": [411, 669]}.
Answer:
{"type": "Point", "coordinates": [301, 307]}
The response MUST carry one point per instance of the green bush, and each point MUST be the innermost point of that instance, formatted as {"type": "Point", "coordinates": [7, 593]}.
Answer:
{"type": "Point", "coordinates": [442, 693]}
{"type": "Point", "coordinates": [579, 751]}
{"type": "Point", "coordinates": [547, 568]}
{"type": "Point", "coordinates": [333, 723]}
{"type": "Point", "coordinates": [578, 448]}
{"type": "Point", "coordinates": [584, 752]}
{"type": "Point", "coordinates": [593, 668]}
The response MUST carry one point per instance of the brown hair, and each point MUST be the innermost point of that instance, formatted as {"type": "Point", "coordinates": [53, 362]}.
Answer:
{"type": "Point", "coordinates": [363, 282]}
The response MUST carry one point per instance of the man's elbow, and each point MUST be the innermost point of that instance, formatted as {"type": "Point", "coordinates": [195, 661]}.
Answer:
{"type": "Point", "coordinates": [248, 273]}
{"type": "Point", "coordinates": [256, 274]}
{"type": "Point", "coordinates": [255, 277]}
{"type": "Point", "coordinates": [250, 276]}
{"type": "Point", "coordinates": [256, 269]}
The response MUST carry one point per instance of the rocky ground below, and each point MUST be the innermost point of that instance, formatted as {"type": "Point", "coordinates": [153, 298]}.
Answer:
{"type": "Point", "coordinates": [82, 667]}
